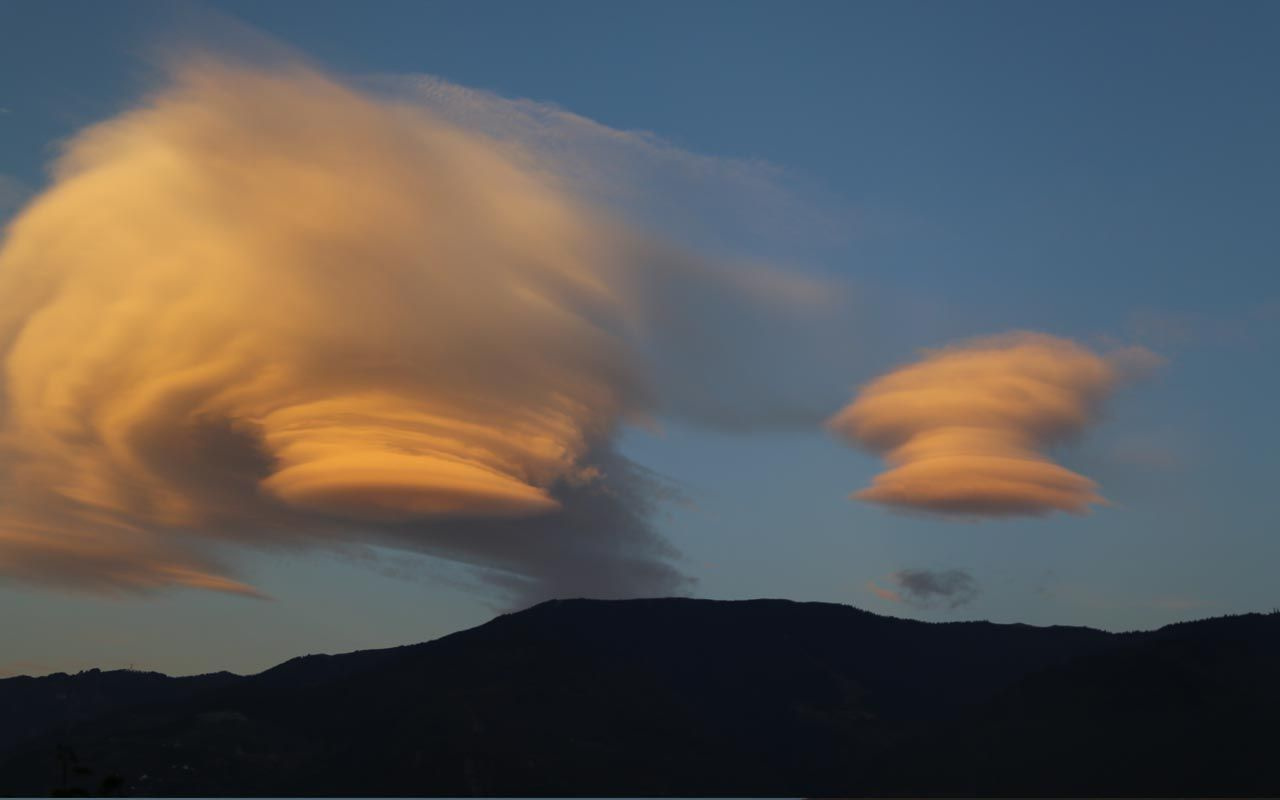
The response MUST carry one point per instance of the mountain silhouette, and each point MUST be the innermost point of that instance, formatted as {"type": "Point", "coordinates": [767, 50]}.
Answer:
{"type": "Point", "coordinates": [686, 697]}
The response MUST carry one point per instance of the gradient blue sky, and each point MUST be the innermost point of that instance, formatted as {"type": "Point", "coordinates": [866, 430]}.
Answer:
{"type": "Point", "coordinates": [1100, 171]}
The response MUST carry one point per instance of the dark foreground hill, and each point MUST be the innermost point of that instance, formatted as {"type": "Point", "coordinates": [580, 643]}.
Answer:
{"type": "Point", "coordinates": [686, 697]}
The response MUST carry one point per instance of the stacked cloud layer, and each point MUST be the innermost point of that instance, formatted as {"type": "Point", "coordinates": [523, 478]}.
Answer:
{"type": "Point", "coordinates": [964, 430]}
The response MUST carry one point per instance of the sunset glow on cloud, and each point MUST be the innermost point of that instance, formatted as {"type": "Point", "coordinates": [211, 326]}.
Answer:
{"type": "Point", "coordinates": [964, 429]}
{"type": "Point", "coordinates": [265, 308]}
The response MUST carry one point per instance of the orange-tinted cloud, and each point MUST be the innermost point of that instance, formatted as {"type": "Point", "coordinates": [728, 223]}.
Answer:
{"type": "Point", "coordinates": [964, 429]}
{"type": "Point", "coordinates": [268, 309]}
{"type": "Point", "coordinates": [888, 595]}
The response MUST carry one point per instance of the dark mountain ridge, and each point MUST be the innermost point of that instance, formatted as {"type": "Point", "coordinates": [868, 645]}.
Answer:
{"type": "Point", "coordinates": [60, 702]}
{"type": "Point", "coordinates": [691, 697]}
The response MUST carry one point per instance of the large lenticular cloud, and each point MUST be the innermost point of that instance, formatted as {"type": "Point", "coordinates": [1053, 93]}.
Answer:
{"type": "Point", "coordinates": [267, 309]}
{"type": "Point", "coordinates": [965, 428]}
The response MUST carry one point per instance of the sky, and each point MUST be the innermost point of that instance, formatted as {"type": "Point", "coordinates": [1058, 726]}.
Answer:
{"type": "Point", "coordinates": [946, 311]}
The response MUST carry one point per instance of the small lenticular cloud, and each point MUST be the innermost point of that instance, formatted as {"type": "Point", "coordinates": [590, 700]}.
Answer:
{"type": "Point", "coordinates": [964, 429]}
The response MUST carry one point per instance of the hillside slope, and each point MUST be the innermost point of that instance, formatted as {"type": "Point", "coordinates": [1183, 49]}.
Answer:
{"type": "Point", "coordinates": [693, 697]}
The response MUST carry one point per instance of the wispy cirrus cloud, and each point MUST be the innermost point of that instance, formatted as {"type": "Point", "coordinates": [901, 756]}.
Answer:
{"type": "Point", "coordinates": [708, 302]}
{"type": "Point", "coordinates": [13, 193]}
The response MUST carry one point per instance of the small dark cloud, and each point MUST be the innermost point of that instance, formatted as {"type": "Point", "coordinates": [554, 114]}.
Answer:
{"type": "Point", "coordinates": [602, 544]}
{"type": "Point", "coordinates": [926, 588]}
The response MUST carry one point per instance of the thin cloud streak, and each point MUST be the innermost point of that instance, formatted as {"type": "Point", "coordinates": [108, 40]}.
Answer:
{"type": "Point", "coordinates": [707, 301]}
{"type": "Point", "coordinates": [13, 193]}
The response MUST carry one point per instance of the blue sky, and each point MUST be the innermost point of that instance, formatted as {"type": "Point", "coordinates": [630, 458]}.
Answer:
{"type": "Point", "coordinates": [1099, 171]}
